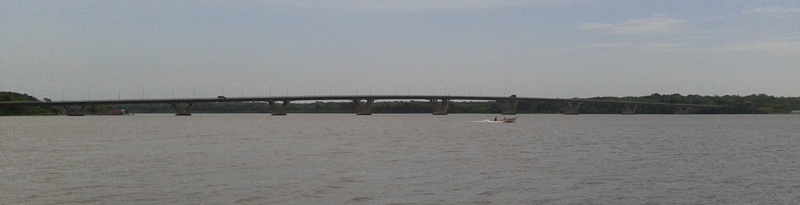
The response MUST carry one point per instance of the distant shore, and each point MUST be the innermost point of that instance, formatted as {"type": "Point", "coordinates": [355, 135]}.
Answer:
{"type": "Point", "coordinates": [751, 104]}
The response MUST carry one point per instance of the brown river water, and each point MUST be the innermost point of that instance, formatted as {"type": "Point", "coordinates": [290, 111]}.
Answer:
{"type": "Point", "coordinates": [400, 159]}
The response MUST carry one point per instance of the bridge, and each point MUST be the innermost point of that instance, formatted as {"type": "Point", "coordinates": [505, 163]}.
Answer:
{"type": "Point", "coordinates": [363, 103]}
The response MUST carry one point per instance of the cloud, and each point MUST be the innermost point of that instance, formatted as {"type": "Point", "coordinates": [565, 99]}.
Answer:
{"type": "Point", "coordinates": [781, 46]}
{"type": "Point", "coordinates": [425, 5]}
{"type": "Point", "coordinates": [661, 47]}
{"type": "Point", "coordinates": [418, 5]}
{"type": "Point", "coordinates": [773, 11]}
{"type": "Point", "coordinates": [645, 47]}
{"type": "Point", "coordinates": [605, 46]}
{"type": "Point", "coordinates": [653, 25]}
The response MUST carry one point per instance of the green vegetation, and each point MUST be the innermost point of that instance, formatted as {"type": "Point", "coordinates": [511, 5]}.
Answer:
{"type": "Point", "coordinates": [734, 104]}
{"type": "Point", "coordinates": [12, 96]}
{"type": "Point", "coordinates": [751, 104]}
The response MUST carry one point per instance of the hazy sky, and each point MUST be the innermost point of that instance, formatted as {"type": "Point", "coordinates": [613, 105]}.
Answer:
{"type": "Point", "coordinates": [537, 48]}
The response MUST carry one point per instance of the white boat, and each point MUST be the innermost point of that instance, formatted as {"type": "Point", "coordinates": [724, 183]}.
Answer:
{"type": "Point", "coordinates": [506, 120]}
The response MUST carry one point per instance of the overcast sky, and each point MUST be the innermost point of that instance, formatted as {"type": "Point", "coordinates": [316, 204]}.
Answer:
{"type": "Point", "coordinates": [76, 50]}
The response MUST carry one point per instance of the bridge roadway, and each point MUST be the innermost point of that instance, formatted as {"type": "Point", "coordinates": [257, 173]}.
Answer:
{"type": "Point", "coordinates": [363, 102]}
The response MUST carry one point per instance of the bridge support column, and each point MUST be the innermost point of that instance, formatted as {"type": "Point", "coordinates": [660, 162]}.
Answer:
{"type": "Point", "coordinates": [628, 110]}
{"type": "Point", "coordinates": [72, 112]}
{"type": "Point", "coordinates": [572, 108]}
{"type": "Point", "coordinates": [182, 111]}
{"type": "Point", "coordinates": [440, 107]}
{"type": "Point", "coordinates": [682, 110]}
{"type": "Point", "coordinates": [508, 107]}
{"type": "Point", "coordinates": [363, 108]}
{"type": "Point", "coordinates": [279, 109]}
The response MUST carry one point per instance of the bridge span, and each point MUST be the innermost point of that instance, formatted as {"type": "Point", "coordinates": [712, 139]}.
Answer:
{"type": "Point", "coordinates": [363, 103]}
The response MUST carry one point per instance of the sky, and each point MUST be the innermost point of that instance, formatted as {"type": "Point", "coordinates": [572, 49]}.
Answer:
{"type": "Point", "coordinates": [77, 50]}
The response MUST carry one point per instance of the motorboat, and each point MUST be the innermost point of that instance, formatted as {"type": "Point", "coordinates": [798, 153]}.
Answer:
{"type": "Point", "coordinates": [506, 120]}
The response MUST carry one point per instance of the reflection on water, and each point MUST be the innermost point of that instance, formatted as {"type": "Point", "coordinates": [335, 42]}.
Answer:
{"type": "Point", "coordinates": [399, 159]}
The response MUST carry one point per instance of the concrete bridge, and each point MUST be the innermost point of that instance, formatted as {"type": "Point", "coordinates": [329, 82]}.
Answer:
{"type": "Point", "coordinates": [363, 103]}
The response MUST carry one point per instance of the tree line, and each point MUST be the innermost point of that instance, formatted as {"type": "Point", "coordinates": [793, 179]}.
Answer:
{"type": "Point", "coordinates": [12, 96]}
{"type": "Point", "coordinates": [734, 104]}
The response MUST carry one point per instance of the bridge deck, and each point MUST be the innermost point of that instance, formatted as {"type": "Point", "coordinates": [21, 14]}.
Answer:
{"type": "Point", "coordinates": [337, 97]}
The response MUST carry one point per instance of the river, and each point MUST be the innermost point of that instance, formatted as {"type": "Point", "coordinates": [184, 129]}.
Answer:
{"type": "Point", "coordinates": [400, 159]}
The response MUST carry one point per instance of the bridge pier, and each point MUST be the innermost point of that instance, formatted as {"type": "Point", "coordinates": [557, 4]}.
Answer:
{"type": "Point", "coordinates": [279, 109]}
{"type": "Point", "coordinates": [628, 110]}
{"type": "Point", "coordinates": [572, 108]}
{"type": "Point", "coordinates": [71, 112]}
{"type": "Point", "coordinates": [363, 108]}
{"type": "Point", "coordinates": [682, 110]}
{"type": "Point", "coordinates": [508, 107]}
{"type": "Point", "coordinates": [182, 111]}
{"type": "Point", "coordinates": [440, 107]}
